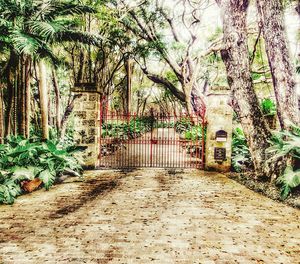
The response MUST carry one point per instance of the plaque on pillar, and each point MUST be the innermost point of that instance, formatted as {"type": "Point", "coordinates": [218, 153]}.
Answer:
{"type": "Point", "coordinates": [221, 136]}
{"type": "Point", "coordinates": [220, 154]}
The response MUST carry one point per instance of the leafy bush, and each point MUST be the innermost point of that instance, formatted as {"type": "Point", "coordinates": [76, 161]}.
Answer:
{"type": "Point", "coordinates": [241, 156]}
{"type": "Point", "coordinates": [24, 160]}
{"type": "Point", "coordinates": [183, 125]}
{"type": "Point", "coordinates": [287, 143]}
{"type": "Point", "coordinates": [127, 130]}
{"type": "Point", "coordinates": [194, 134]}
{"type": "Point", "coordinates": [268, 107]}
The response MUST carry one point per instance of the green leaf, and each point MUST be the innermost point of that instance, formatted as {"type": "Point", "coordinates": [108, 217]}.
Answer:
{"type": "Point", "coordinates": [21, 173]}
{"type": "Point", "coordinates": [47, 178]}
{"type": "Point", "coordinates": [289, 180]}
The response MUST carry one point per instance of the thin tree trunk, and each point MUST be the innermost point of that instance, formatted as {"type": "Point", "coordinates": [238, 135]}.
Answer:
{"type": "Point", "coordinates": [27, 117]}
{"type": "Point", "coordinates": [236, 58]}
{"type": "Point", "coordinates": [24, 97]}
{"type": "Point", "coordinates": [10, 93]}
{"type": "Point", "coordinates": [57, 101]}
{"type": "Point", "coordinates": [43, 93]}
{"type": "Point", "coordinates": [1, 115]}
{"type": "Point", "coordinates": [271, 15]}
{"type": "Point", "coordinates": [67, 113]}
{"type": "Point", "coordinates": [129, 68]}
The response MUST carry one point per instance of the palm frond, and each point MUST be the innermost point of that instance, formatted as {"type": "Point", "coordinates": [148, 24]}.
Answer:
{"type": "Point", "coordinates": [44, 30]}
{"type": "Point", "coordinates": [79, 36]}
{"type": "Point", "coordinates": [57, 8]}
{"type": "Point", "coordinates": [24, 43]}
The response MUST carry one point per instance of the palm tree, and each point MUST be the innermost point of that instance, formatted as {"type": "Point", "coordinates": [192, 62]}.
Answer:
{"type": "Point", "coordinates": [29, 30]}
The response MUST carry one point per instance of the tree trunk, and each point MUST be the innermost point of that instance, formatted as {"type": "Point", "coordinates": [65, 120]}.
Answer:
{"type": "Point", "coordinates": [129, 69]}
{"type": "Point", "coordinates": [236, 58]}
{"type": "Point", "coordinates": [24, 97]}
{"type": "Point", "coordinates": [271, 15]}
{"type": "Point", "coordinates": [298, 7]}
{"type": "Point", "coordinates": [27, 117]}
{"type": "Point", "coordinates": [57, 101]}
{"type": "Point", "coordinates": [1, 115]}
{"type": "Point", "coordinates": [43, 93]}
{"type": "Point", "coordinates": [67, 113]}
{"type": "Point", "coordinates": [10, 98]}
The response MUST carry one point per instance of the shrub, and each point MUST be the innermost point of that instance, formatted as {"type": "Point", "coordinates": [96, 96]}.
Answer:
{"type": "Point", "coordinates": [287, 143]}
{"type": "Point", "coordinates": [241, 156]}
{"type": "Point", "coordinates": [24, 160]}
{"type": "Point", "coordinates": [127, 130]}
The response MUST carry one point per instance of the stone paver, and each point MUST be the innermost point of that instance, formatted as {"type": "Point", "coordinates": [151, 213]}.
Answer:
{"type": "Point", "coordinates": [149, 216]}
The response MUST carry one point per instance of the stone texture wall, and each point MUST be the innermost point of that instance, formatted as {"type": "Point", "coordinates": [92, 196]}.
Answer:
{"type": "Point", "coordinates": [219, 118]}
{"type": "Point", "coordinates": [87, 127]}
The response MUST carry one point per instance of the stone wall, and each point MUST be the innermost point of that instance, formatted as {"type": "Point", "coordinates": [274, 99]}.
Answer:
{"type": "Point", "coordinates": [87, 127]}
{"type": "Point", "coordinates": [219, 132]}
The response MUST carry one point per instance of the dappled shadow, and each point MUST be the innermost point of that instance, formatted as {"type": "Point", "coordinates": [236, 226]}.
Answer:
{"type": "Point", "coordinates": [97, 190]}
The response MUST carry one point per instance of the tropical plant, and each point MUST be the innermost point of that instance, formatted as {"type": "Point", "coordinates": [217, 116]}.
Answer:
{"type": "Point", "coordinates": [24, 160]}
{"type": "Point", "coordinates": [241, 157]}
{"type": "Point", "coordinates": [287, 144]}
{"type": "Point", "coordinates": [289, 180]}
{"type": "Point", "coordinates": [268, 107]}
{"type": "Point", "coordinates": [127, 130]}
{"type": "Point", "coordinates": [29, 32]}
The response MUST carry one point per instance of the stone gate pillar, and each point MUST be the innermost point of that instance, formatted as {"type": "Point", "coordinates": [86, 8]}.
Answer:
{"type": "Point", "coordinates": [219, 131]}
{"type": "Point", "coordinates": [87, 125]}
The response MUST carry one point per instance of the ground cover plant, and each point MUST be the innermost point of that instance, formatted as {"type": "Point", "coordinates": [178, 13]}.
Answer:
{"type": "Point", "coordinates": [287, 144]}
{"type": "Point", "coordinates": [24, 160]}
{"type": "Point", "coordinates": [241, 157]}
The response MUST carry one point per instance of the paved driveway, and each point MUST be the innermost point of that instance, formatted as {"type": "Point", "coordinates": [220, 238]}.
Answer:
{"type": "Point", "coordinates": [149, 216]}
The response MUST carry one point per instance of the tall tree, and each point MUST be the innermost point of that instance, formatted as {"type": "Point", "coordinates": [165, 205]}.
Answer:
{"type": "Point", "coordinates": [43, 92]}
{"type": "Point", "coordinates": [236, 58]}
{"type": "Point", "coordinates": [28, 31]}
{"type": "Point", "coordinates": [149, 23]}
{"type": "Point", "coordinates": [271, 17]}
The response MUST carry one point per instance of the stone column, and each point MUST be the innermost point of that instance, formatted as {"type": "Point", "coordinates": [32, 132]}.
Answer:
{"type": "Point", "coordinates": [219, 132]}
{"type": "Point", "coordinates": [87, 126]}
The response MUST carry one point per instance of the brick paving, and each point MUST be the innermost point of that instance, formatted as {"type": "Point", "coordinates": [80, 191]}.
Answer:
{"type": "Point", "coordinates": [149, 216]}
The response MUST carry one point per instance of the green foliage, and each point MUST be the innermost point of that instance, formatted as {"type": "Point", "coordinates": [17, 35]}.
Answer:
{"type": "Point", "coordinates": [183, 125]}
{"type": "Point", "coordinates": [47, 178]}
{"type": "Point", "coordinates": [127, 130]}
{"type": "Point", "coordinates": [194, 134]}
{"type": "Point", "coordinates": [24, 160]}
{"type": "Point", "coordinates": [241, 156]}
{"type": "Point", "coordinates": [189, 130]}
{"type": "Point", "coordinates": [30, 27]}
{"type": "Point", "coordinates": [268, 107]}
{"type": "Point", "coordinates": [286, 144]}
{"type": "Point", "coordinates": [9, 189]}
{"type": "Point", "coordinates": [288, 181]}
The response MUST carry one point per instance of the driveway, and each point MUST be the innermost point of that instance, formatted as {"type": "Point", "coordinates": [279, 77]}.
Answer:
{"type": "Point", "coordinates": [149, 216]}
